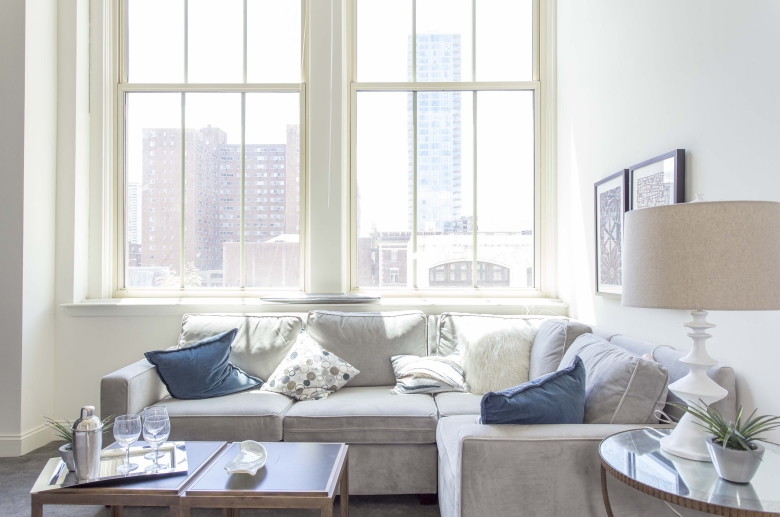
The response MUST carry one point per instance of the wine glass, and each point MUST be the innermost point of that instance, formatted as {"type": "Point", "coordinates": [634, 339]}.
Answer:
{"type": "Point", "coordinates": [151, 411]}
{"type": "Point", "coordinates": [156, 431]}
{"type": "Point", "coordinates": [127, 429]}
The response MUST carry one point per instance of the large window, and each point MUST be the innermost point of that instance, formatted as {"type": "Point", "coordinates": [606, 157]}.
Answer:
{"type": "Point", "coordinates": [445, 144]}
{"type": "Point", "coordinates": [211, 135]}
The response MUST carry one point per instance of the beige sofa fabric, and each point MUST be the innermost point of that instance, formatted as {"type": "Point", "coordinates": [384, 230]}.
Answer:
{"type": "Point", "coordinates": [537, 470]}
{"type": "Point", "coordinates": [453, 404]}
{"type": "Point", "coordinates": [260, 345]}
{"type": "Point", "coordinates": [368, 340]}
{"type": "Point", "coordinates": [553, 339]}
{"type": "Point", "coordinates": [369, 414]}
{"type": "Point", "coordinates": [620, 387]}
{"type": "Point", "coordinates": [131, 389]}
{"type": "Point", "coordinates": [455, 328]}
{"type": "Point", "coordinates": [248, 415]}
{"type": "Point", "coordinates": [378, 469]}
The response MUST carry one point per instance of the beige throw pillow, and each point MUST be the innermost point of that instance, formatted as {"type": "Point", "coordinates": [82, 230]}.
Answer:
{"type": "Point", "coordinates": [497, 359]}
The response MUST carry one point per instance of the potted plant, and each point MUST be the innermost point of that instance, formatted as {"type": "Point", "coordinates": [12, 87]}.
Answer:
{"type": "Point", "coordinates": [734, 448]}
{"type": "Point", "coordinates": [66, 434]}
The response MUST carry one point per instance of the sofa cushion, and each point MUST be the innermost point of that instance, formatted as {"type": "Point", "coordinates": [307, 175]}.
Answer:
{"type": "Point", "coordinates": [309, 372]}
{"type": "Point", "coordinates": [202, 370]}
{"type": "Point", "coordinates": [555, 398]}
{"type": "Point", "coordinates": [260, 345]}
{"type": "Point", "coordinates": [621, 387]}
{"type": "Point", "coordinates": [456, 328]}
{"type": "Point", "coordinates": [367, 340]}
{"type": "Point", "coordinates": [553, 338]}
{"type": "Point", "coordinates": [249, 415]}
{"type": "Point", "coordinates": [453, 404]}
{"type": "Point", "coordinates": [363, 415]}
{"type": "Point", "coordinates": [434, 374]}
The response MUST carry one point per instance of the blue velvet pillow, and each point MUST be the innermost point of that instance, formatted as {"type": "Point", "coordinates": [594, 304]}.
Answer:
{"type": "Point", "coordinates": [555, 398]}
{"type": "Point", "coordinates": [202, 370]}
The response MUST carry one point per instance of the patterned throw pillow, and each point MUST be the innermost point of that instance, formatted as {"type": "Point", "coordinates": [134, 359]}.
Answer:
{"type": "Point", "coordinates": [428, 374]}
{"type": "Point", "coordinates": [309, 372]}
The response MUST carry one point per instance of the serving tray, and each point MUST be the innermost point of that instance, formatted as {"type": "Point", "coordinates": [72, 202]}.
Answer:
{"type": "Point", "coordinates": [174, 455]}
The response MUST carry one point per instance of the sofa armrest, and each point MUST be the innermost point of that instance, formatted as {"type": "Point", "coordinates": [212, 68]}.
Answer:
{"type": "Point", "coordinates": [131, 389]}
{"type": "Point", "coordinates": [532, 470]}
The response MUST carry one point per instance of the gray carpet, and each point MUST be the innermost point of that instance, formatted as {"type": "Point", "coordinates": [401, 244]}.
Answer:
{"type": "Point", "coordinates": [17, 476]}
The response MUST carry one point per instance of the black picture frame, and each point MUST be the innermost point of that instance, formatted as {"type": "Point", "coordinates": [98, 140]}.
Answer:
{"type": "Point", "coordinates": [677, 172]}
{"type": "Point", "coordinates": [618, 180]}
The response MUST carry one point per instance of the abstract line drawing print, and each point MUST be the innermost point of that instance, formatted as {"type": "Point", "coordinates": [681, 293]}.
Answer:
{"type": "Point", "coordinates": [653, 190]}
{"type": "Point", "coordinates": [610, 234]}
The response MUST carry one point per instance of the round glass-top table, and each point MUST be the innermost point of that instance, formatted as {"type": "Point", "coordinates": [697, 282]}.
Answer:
{"type": "Point", "coordinates": [635, 458]}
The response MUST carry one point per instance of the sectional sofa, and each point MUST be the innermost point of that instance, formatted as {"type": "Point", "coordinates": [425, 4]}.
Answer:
{"type": "Point", "coordinates": [407, 444]}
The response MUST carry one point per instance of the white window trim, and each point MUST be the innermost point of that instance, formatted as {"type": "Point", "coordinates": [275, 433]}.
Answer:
{"type": "Point", "coordinates": [326, 245]}
{"type": "Point", "coordinates": [545, 206]}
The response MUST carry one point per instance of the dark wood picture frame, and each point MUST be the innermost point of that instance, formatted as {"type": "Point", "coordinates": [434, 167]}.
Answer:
{"type": "Point", "coordinates": [678, 196]}
{"type": "Point", "coordinates": [624, 174]}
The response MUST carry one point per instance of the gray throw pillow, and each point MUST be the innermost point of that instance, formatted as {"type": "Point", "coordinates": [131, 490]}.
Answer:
{"type": "Point", "coordinates": [621, 387]}
{"type": "Point", "coordinates": [553, 338]}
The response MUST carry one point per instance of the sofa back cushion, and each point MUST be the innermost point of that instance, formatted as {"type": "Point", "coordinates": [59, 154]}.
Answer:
{"type": "Point", "coordinates": [670, 359]}
{"type": "Point", "coordinates": [621, 387]}
{"type": "Point", "coordinates": [552, 340]}
{"type": "Point", "coordinates": [455, 328]}
{"type": "Point", "coordinates": [262, 340]}
{"type": "Point", "coordinates": [367, 340]}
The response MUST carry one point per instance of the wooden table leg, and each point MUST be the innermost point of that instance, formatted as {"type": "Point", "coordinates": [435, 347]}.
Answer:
{"type": "Point", "coordinates": [327, 509]}
{"type": "Point", "coordinates": [604, 493]}
{"type": "Point", "coordinates": [36, 508]}
{"type": "Point", "coordinates": [230, 512]}
{"type": "Point", "coordinates": [175, 510]}
{"type": "Point", "coordinates": [344, 485]}
{"type": "Point", "coordinates": [117, 511]}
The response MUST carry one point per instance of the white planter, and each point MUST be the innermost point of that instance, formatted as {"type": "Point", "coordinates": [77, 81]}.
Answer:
{"type": "Point", "coordinates": [66, 453]}
{"type": "Point", "coordinates": [735, 466]}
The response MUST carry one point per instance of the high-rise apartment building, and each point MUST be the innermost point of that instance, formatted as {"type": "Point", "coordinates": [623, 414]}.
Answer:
{"type": "Point", "coordinates": [133, 207]}
{"type": "Point", "coordinates": [212, 200]}
{"type": "Point", "coordinates": [439, 138]}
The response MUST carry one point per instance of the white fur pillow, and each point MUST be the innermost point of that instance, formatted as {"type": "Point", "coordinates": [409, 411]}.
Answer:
{"type": "Point", "coordinates": [497, 360]}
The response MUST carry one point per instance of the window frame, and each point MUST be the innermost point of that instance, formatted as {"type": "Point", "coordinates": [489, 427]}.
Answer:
{"type": "Point", "coordinates": [544, 182]}
{"type": "Point", "coordinates": [116, 59]}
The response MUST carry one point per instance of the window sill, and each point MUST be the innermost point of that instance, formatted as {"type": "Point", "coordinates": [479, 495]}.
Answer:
{"type": "Point", "coordinates": [180, 306]}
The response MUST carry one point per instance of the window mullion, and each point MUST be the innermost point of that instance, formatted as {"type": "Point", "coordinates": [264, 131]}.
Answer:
{"type": "Point", "coordinates": [414, 41]}
{"type": "Point", "coordinates": [242, 271]}
{"type": "Point", "coordinates": [245, 50]}
{"type": "Point", "coordinates": [414, 189]}
{"type": "Point", "coordinates": [186, 40]}
{"type": "Point", "coordinates": [474, 40]}
{"type": "Point", "coordinates": [474, 224]}
{"type": "Point", "coordinates": [183, 183]}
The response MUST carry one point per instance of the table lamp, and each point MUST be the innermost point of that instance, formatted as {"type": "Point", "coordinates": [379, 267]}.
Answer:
{"type": "Point", "coordinates": [703, 255]}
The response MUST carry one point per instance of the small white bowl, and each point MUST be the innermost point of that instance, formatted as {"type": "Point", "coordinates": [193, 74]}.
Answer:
{"type": "Point", "coordinates": [251, 458]}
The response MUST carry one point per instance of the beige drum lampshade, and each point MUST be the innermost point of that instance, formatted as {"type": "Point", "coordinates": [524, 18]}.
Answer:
{"type": "Point", "coordinates": [710, 255]}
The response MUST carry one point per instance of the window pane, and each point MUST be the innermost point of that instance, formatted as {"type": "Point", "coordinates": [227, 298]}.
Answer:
{"type": "Point", "coordinates": [384, 31]}
{"type": "Point", "coordinates": [272, 195]}
{"type": "Point", "coordinates": [444, 40]}
{"type": "Point", "coordinates": [273, 41]}
{"type": "Point", "coordinates": [153, 190]}
{"type": "Point", "coordinates": [504, 40]}
{"type": "Point", "coordinates": [212, 205]}
{"type": "Point", "coordinates": [216, 41]}
{"type": "Point", "coordinates": [155, 37]}
{"type": "Point", "coordinates": [384, 160]}
{"type": "Point", "coordinates": [505, 189]}
{"type": "Point", "coordinates": [444, 189]}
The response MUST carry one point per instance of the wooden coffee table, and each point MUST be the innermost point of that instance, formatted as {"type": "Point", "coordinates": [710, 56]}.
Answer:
{"type": "Point", "coordinates": [158, 492]}
{"type": "Point", "coordinates": [296, 475]}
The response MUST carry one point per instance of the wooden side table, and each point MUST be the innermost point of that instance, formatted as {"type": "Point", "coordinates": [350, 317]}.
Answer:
{"type": "Point", "coordinates": [636, 459]}
{"type": "Point", "coordinates": [296, 475]}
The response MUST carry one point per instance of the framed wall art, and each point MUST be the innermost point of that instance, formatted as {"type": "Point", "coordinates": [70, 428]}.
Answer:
{"type": "Point", "coordinates": [659, 181]}
{"type": "Point", "coordinates": [611, 203]}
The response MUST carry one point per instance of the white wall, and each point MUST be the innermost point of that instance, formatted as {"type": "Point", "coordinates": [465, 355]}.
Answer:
{"type": "Point", "coordinates": [637, 79]}
{"type": "Point", "coordinates": [28, 82]}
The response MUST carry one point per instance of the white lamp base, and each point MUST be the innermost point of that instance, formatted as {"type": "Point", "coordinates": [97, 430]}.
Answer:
{"type": "Point", "coordinates": [688, 438]}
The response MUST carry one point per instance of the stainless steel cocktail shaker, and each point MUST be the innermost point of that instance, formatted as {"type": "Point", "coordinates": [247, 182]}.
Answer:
{"type": "Point", "coordinates": [87, 444]}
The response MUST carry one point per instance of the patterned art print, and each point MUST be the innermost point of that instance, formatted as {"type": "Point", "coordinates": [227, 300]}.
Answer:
{"type": "Point", "coordinates": [653, 190]}
{"type": "Point", "coordinates": [610, 236]}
